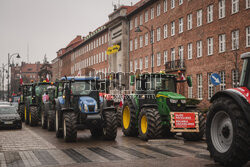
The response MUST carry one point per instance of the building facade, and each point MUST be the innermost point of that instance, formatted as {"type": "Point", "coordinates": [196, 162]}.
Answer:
{"type": "Point", "coordinates": [194, 38]}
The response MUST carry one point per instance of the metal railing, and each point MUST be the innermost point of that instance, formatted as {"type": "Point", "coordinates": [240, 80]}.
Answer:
{"type": "Point", "coordinates": [175, 65]}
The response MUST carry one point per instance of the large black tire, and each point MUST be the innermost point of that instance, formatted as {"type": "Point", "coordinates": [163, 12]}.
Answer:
{"type": "Point", "coordinates": [33, 116]}
{"type": "Point", "coordinates": [51, 120]}
{"type": "Point", "coordinates": [44, 115]}
{"type": "Point", "coordinates": [58, 124]}
{"type": "Point", "coordinates": [154, 128]}
{"type": "Point", "coordinates": [195, 136]}
{"type": "Point", "coordinates": [132, 129]}
{"type": "Point", "coordinates": [238, 152]}
{"type": "Point", "coordinates": [109, 125]}
{"type": "Point", "coordinates": [21, 111]}
{"type": "Point", "coordinates": [69, 126]}
{"type": "Point", "coordinates": [119, 116]}
{"type": "Point", "coordinates": [26, 114]}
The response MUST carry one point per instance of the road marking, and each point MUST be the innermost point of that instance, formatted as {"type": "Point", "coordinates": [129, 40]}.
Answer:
{"type": "Point", "coordinates": [76, 156]}
{"type": "Point", "coordinates": [2, 160]}
{"type": "Point", "coordinates": [45, 158]}
{"type": "Point", "coordinates": [61, 157]}
{"type": "Point", "coordinates": [196, 146]}
{"type": "Point", "coordinates": [133, 152]}
{"type": "Point", "coordinates": [91, 155]}
{"type": "Point", "coordinates": [105, 154]}
{"type": "Point", "coordinates": [155, 149]}
{"type": "Point", "coordinates": [13, 159]}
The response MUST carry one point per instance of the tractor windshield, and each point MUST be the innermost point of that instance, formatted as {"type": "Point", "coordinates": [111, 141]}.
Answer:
{"type": "Point", "coordinates": [245, 76]}
{"type": "Point", "coordinates": [169, 84]}
{"type": "Point", "coordinates": [81, 88]}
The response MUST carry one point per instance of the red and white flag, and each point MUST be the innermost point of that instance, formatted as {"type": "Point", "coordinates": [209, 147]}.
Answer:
{"type": "Point", "coordinates": [21, 80]}
{"type": "Point", "coordinates": [182, 77]}
{"type": "Point", "coordinates": [79, 73]}
{"type": "Point", "coordinates": [47, 78]}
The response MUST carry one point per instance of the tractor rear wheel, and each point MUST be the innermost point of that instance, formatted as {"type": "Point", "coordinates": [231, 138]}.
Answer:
{"type": "Point", "coordinates": [51, 120]}
{"type": "Point", "coordinates": [69, 127]}
{"type": "Point", "coordinates": [109, 125]}
{"type": "Point", "coordinates": [195, 136]}
{"type": "Point", "coordinates": [227, 133]}
{"type": "Point", "coordinates": [33, 116]}
{"type": "Point", "coordinates": [21, 112]}
{"type": "Point", "coordinates": [119, 116]}
{"type": "Point", "coordinates": [150, 124]}
{"type": "Point", "coordinates": [59, 132]}
{"type": "Point", "coordinates": [129, 119]}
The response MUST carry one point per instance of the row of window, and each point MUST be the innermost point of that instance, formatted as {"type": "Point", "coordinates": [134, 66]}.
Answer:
{"type": "Point", "coordinates": [210, 9]}
{"type": "Point", "coordinates": [94, 44]}
{"type": "Point", "coordinates": [211, 88]}
{"type": "Point", "coordinates": [199, 50]}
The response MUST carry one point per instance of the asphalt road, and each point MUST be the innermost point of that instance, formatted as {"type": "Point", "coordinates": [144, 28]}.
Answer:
{"type": "Point", "coordinates": [34, 146]}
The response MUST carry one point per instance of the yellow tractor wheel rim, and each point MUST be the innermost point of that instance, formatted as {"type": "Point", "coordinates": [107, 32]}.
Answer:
{"type": "Point", "coordinates": [126, 117]}
{"type": "Point", "coordinates": [30, 116]}
{"type": "Point", "coordinates": [25, 113]}
{"type": "Point", "coordinates": [144, 124]}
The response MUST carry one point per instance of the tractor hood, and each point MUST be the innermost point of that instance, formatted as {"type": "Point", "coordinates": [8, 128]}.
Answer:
{"type": "Point", "coordinates": [171, 95]}
{"type": "Point", "coordinates": [87, 100]}
{"type": "Point", "coordinates": [87, 104]}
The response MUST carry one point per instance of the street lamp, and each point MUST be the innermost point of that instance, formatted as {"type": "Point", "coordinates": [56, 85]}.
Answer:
{"type": "Point", "coordinates": [3, 71]}
{"type": "Point", "coordinates": [137, 29]}
{"type": "Point", "coordinates": [9, 57]}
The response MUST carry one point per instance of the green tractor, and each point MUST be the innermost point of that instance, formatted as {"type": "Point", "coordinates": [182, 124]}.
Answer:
{"type": "Point", "coordinates": [34, 103]}
{"type": "Point", "coordinates": [157, 111]}
{"type": "Point", "coordinates": [23, 89]}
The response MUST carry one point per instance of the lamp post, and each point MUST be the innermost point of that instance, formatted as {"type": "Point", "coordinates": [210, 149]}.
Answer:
{"type": "Point", "coordinates": [3, 71]}
{"type": "Point", "coordinates": [9, 57]}
{"type": "Point", "coordinates": [151, 41]}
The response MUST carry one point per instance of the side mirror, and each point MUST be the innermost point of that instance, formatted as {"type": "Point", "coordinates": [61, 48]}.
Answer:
{"type": "Point", "coordinates": [189, 81]}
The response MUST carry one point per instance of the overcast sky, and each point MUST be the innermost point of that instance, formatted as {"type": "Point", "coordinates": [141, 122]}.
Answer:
{"type": "Point", "coordinates": [48, 25]}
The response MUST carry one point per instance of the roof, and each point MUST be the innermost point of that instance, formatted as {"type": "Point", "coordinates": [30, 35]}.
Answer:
{"type": "Point", "coordinates": [76, 40]}
{"type": "Point", "coordinates": [139, 6]}
{"type": "Point", "coordinates": [30, 68]}
{"type": "Point", "coordinates": [245, 55]}
{"type": "Point", "coordinates": [80, 78]}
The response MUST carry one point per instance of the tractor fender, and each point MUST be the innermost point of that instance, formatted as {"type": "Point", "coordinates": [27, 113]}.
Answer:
{"type": "Point", "coordinates": [149, 106]}
{"type": "Point", "coordinates": [108, 109]}
{"type": "Point", "coordinates": [63, 110]}
{"type": "Point", "coordinates": [242, 103]}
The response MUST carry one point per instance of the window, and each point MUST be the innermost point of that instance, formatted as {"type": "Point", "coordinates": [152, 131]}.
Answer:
{"type": "Point", "coordinates": [158, 59]}
{"type": "Point", "coordinates": [210, 13]}
{"type": "Point", "coordinates": [189, 21]}
{"type": "Point", "coordinates": [136, 22]}
{"type": "Point", "coordinates": [131, 66]}
{"type": "Point", "coordinates": [141, 19]}
{"type": "Point", "coordinates": [106, 36]}
{"type": "Point", "coordinates": [165, 53]}
{"type": "Point", "coordinates": [131, 25]}
{"type": "Point", "coordinates": [222, 11]}
{"type": "Point", "coordinates": [141, 41]}
{"type": "Point", "coordinates": [235, 40]}
{"type": "Point", "coordinates": [146, 16]}
{"type": "Point", "coordinates": [131, 45]}
{"type": "Point", "coordinates": [136, 43]}
{"type": "Point", "coordinates": [180, 2]}
{"type": "Point", "coordinates": [210, 46]}
{"type": "Point", "coordinates": [172, 57]}
{"type": "Point", "coordinates": [172, 28]}
{"type": "Point", "coordinates": [180, 25]}
{"type": "Point", "coordinates": [247, 4]}
{"type": "Point", "coordinates": [136, 65]}
{"type": "Point", "coordinates": [223, 80]}
{"type": "Point", "coordinates": [102, 56]}
{"type": "Point", "coordinates": [152, 60]}
{"type": "Point", "coordinates": [152, 40]}
{"type": "Point", "coordinates": [146, 62]}
{"type": "Point", "coordinates": [199, 18]}
{"type": "Point", "coordinates": [165, 31]}
{"type": "Point", "coordinates": [165, 6]}
{"type": "Point", "coordinates": [235, 6]}
{"type": "Point", "coordinates": [146, 39]}
{"type": "Point", "coordinates": [152, 13]}
{"type": "Point", "coordinates": [158, 12]}
{"type": "Point", "coordinates": [172, 4]}
{"type": "Point", "coordinates": [190, 51]}
{"type": "Point", "coordinates": [210, 87]}
{"type": "Point", "coordinates": [181, 57]}
{"type": "Point", "coordinates": [199, 48]}
{"type": "Point", "coordinates": [222, 43]}
{"type": "Point", "coordinates": [102, 40]}
{"type": "Point", "coordinates": [141, 62]}
{"type": "Point", "coordinates": [158, 38]}
{"type": "Point", "coordinates": [199, 86]}
{"type": "Point", "coordinates": [235, 78]}
{"type": "Point", "coordinates": [97, 43]}
{"type": "Point", "coordinates": [248, 36]}
{"type": "Point", "coordinates": [190, 90]}
{"type": "Point", "coordinates": [106, 56]}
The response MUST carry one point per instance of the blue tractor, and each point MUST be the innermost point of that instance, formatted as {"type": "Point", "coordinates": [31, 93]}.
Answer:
{"type": "Point", "coordinates": [79, 106]}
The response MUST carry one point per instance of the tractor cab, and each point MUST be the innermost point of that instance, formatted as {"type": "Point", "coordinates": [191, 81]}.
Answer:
{"type": "Point", "coordinates": [245, 76]}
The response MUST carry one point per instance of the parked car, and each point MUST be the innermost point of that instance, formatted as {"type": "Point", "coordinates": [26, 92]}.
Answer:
{"type": "Point", "coordinates": [9, 118]}
{"type": "Point", "coordinates": [5, 103]}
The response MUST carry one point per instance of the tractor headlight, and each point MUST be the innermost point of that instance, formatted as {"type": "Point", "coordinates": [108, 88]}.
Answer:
{"type": "Point", "coordinates": [183, 101]}
{"type": "Point", "coordinates": [143, 96]}
{"type": "Point", "coordinates": [173, 101]}
{"type": "Point", "coordinates": [85, 107]}
{"type": "Point", "coordinates": [96, 107]}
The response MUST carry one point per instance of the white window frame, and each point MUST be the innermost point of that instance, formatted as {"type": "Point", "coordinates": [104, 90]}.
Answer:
{"type": "Point", "coordinates": [235, 6]}
{"type": "Point", "coordinates": [158, 10]}
{"type": "Point", "coordinates": [136, 43]}
{"type": "Point", "coordinates": [235, 78]}
{"type": "Point", "coordinates": [222, 11]}
{"type": "Point", "coordinates": [210, 44]}
{"type": "Point", "coordinates": [172, 28]}
{"type": "Point", "coordinates": [146, 39]}
{"type": "Point", "coordinates": [165, 6]}
{"type": "Point", "coordinates": [247, 4]}
{"type": "Point", "coordinates": [158, 37]}
{"type": "Point", "coordinates": [146, 62]}
{"type": "Point", "coordinates": [248, 36]}
{"type": "Point", "coordinates": [223, 80]}
{"type": "Point", "coordinates": [131, 25]}
{"type": "Point", "coordinates": [199, 87]}
{"type": "Point", "coordinates": [131, 66]}
{"type": "Point", "coordinates": [222, 43]}
{"type": "Point", "coordinates": [172, 4]}
{"type": "Point", "coordinates": [181, 25]}
{"type": "Point", "coordinates": [165, 31]}
{"type": "Point", "coordinates": [158, 59]}
{"type": "Point", "coordinates": [235, 39]}
{"type": "Point", "coordinates": [136, 22]}
{"type": "Point", "coordinates": [146, 16]}
{"type": "Point", "coordinates": [199, 48]}
{"type": "Point", "coordinates": [152, 13]}
{"type": "Point", "coordinates": [136, 64]}
{"type": "Point", "coordinates": [190, 51]}
{"type": "Point", "coordinates": [165, 54]}
{"type": "Point", "coordinates": [210, 90]}
{"type": "Point", "coordinates": [141, 41]}
{"type": "Point", "coordinates": [190, 90]}
{"type": "Point", "coordinates": [199, 18]}
{"type": "Point", "coordinates": [180, 2]}
{"type": "Point", "coordinates": [190, 21]}
{"type": "Point", "coordinates": [141, 63]}
{"type": "Point", "coordinates": [131, 46]}
{"type": "Point", "coordinates": [210, 9]}
{"type": "Point", "coordinates": [141, 19]}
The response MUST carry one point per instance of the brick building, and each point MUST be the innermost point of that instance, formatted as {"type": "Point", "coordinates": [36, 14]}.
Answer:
{"type": "Point", "coordinates": [196, 37]}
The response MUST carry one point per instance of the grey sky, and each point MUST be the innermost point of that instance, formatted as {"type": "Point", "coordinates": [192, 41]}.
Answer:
{"type": "Point", "coordinates": [48, 25]}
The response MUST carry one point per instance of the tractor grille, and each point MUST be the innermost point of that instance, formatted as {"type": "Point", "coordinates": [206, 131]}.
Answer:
{"type": "Point", "coordinates": [176, 106]}
{"type": "Point", "coordinates": [91, 108]}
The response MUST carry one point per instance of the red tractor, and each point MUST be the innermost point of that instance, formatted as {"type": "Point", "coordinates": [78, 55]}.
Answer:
{"type": "Point", "coordinates": [228, 122]}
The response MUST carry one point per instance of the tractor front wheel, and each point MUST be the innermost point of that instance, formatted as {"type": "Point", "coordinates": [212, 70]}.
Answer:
{"type": "Point", "coordinates": [129, 119]}
{"type": "Point", "coordinates": [21, 111]}
{"type": "Point", "coordinates": [69, 127]}
{"type": "Point", "coordinates": [59, 132]}
{"type": "Point", "coordinates": [109, 125]}
{"type": "Point", "coordinates": [227, 133]}
{"type": "Point", "coordinates": [26, 115]}
{"type": "Point", "coordinates": [150, 124]}
{"type": "Point", "coordinates": [33, 116]}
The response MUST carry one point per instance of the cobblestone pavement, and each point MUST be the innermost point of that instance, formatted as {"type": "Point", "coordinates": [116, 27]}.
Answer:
{"type": "Point", "coordinates": [34, 146]}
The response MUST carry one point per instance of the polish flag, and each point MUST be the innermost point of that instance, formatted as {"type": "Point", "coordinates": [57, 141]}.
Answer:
{"type": "Point", "coordinates": [21, 80]}
{"type": "Point", "coordinates": [79, 73]}
{"type": "Point", "coordinates": [182, 77]}
{"type": "Point", "coordinates": [47, 78]}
